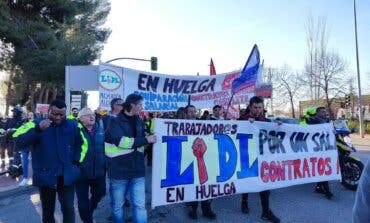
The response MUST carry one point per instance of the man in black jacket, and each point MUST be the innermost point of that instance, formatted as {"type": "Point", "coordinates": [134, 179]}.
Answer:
{"type": "Point", "coordinates": [320, 118]}
{"type": "Point", "coordinates": [256, 114]}
{"type": "Point", "coordinates": [56, 147]}
{"type": "Point", "coordinates": [125, 141]}
{"type": "Point", "coordinates": [205, 205]}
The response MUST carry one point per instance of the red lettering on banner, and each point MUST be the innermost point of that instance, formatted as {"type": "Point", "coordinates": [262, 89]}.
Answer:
{"type": "Point", "coordinates": [321, 167]}
{"type": "Point", "coordinates": [306, 170]}
{"type": "Point", "coordinates": [338, 166]}
{"type": "Point", "coordinates": [327, 164]}
{"type": "Point", "coordinates": [313, 161]}
{"type": "Point", "coordinates": [264, 168]}
{"type": "Point", "coordinates": [296, 169]}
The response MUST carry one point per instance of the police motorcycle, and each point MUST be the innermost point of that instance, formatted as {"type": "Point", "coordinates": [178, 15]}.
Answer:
{"type": "Point", "coordinates": [13, 170]}
{"type": "Point", "coordinates": [351, 167]}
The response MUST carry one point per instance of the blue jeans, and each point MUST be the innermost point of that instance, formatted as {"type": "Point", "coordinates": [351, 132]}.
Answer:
{"type": "Point", "coordinates": [117, 191]}
{"type": "Point", "coordinates": [25, 155]}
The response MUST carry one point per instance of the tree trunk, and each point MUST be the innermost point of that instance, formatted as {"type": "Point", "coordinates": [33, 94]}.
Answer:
{"type": "Point", "coordinates": [41, 94]}
{"type": "Point", "coordinates": [46, 95]}
{"type": "Point", "coordinates": [7, 98]}
{"type": "Point", "coordinates": [54, 92]}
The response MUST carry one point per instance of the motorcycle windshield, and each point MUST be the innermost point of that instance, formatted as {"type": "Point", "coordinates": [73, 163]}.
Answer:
{"type": "Point", "coordinates": [341, 126]}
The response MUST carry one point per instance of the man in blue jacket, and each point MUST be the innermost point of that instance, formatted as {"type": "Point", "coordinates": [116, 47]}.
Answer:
{"type": "Point", "coordinates": [92, 161]}
{"type": "Point", "coordinates": [56, 149]}
{"type": "Point", "coordinates": [125, 141]}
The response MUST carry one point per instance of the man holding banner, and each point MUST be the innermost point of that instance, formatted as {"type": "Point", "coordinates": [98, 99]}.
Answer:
{"type": "Point", "coordinates": [256, 114]}
{"type": "Point", "coordinates": [125, 141]}
{"type": "Point", "coordinates": [319, 118]}
{"type": "Point", "coordinates": [206, 204]}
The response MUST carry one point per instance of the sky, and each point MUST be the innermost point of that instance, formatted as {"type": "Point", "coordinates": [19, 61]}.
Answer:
{"type": "Point", "coordinates": [184, 35]}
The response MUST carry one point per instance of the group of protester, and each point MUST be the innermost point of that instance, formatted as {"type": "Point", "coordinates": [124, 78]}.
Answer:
{"type": "Point", "coordinates": [75, 154]}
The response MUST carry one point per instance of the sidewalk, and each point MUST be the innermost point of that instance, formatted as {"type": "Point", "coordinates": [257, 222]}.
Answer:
{"type": "Point", "coordinates": [361, 143]}
{"type": "Point", "coordinates": [9, 186]}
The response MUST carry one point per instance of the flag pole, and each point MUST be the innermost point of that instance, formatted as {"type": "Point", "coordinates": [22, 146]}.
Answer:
{"type": "Point", "coordinates": [228, 106]}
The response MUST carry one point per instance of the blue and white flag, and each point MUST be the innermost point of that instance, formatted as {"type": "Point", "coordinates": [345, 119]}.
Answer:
{"type": "Point", "coordinates": [248, 76]}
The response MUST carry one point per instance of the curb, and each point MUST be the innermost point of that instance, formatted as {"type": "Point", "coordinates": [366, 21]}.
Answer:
{"type": "Point", "coordinates": [16, 191]}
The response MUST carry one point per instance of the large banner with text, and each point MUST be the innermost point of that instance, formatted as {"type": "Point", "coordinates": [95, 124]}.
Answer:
{"type": "Point", "coordinates": [197, 160]}
{"type": "Point", "coordinates": [162, 92]}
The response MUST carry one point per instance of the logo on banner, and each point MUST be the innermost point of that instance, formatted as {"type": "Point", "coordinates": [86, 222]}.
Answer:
{"type": "Point", "coordinates": [109, 80]}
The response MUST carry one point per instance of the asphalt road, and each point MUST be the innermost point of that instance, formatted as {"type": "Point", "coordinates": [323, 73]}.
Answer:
{"type": "Point", "coordinates": [291, 204]}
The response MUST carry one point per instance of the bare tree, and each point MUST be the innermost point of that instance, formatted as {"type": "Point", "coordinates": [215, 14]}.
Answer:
{"type": "Point", "coordinates": [286, 86]}
{"type": "Point", "coordinates": [324, 70]}
{"type": "Point", "coordinates": [317, 42]}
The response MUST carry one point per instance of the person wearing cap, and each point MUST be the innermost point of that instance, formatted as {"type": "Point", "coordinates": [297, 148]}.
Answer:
{"type": "Point", "coordinates": [125, 141]}
{"type": "Point", "coordinates": [56, 150]}
{"type": "Point", "coordinates": [92, 163]}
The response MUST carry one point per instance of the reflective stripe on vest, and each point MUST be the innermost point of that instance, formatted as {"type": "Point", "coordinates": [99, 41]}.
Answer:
{"type": "Point", "coordinates": [85, 144]}
{"type": "Point", "coordinates": [24, 128]}
{"type": "Point", "coordinates": [141, 149]}
{"type": "Point", "coordinates": [126, 142]}
{"type": "Point", "coordinates": [112, 150]}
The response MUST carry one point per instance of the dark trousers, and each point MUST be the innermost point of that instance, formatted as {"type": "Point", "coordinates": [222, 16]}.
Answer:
{"type": "Point", "coordinates": [323, 185]}
{"type": "Point", "coordinates": [205, 205]}
{"type": "Point", "coordinates": [148, 152]}
{"type": "Point", "coordinates": [65, 196]}
{"type": "Point", "coordinates": [265, 200]}
{"type": "Point", "coordinates": [86, 206]}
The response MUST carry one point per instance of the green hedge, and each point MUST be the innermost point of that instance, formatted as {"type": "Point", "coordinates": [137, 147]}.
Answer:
{"type": "Point", "coordinates": [354, 124]}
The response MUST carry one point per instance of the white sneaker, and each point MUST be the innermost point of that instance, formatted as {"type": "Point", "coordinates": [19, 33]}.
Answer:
{"type": "Point", "coordinates": [23, 183]}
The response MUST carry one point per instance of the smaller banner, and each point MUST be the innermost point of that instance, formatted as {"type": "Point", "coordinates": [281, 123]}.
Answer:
{"type": "Point", "coordinates": [196, 160]}
{"type": "Point", "coordinates": [42, 108]}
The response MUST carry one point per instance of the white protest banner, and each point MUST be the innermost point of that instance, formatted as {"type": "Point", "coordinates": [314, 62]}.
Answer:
{"type": "Point", "coordinates": [163, 92]}
{"type": "Point", "coordinates": [197, 160]}
{"type": "Point", "coordinates": [111, 85]}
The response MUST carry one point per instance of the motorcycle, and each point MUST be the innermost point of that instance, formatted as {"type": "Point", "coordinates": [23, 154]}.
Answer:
{"type": "Point", "coordinates": [351, 167]}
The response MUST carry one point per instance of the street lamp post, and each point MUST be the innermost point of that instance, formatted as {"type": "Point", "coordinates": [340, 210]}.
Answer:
{"type": "Point", "coordinates": [358, 76]}
{"type": "Point", "coordinates": [153, 61]}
